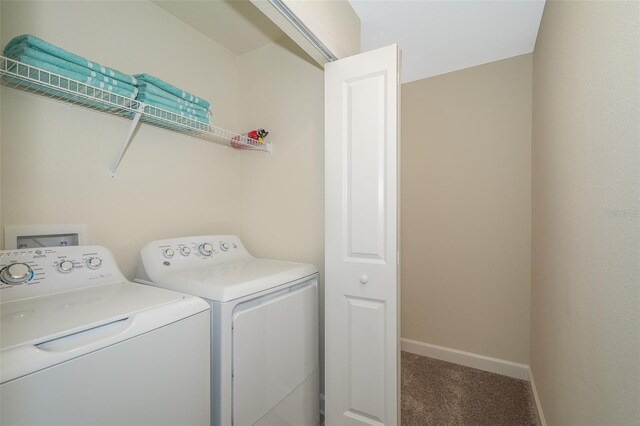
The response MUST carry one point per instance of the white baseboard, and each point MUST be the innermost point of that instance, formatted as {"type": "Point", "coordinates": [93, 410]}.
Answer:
{"type": "Point", "coordinates": [543, 422]}
{"type": "Point", "coordinates": [481, 362]}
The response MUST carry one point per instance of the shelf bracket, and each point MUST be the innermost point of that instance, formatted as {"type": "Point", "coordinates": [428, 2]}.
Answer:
{"type": "Point", "coordinates": [127, 141]}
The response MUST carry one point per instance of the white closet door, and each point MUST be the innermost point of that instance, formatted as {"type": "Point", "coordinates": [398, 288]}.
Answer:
{"type": "Point", "coordinates": [361, 242]}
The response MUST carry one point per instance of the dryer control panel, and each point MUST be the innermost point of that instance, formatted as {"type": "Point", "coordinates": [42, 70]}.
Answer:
{"type": "Point", "coordinates": [28, 273]}
{"type": "Point", "coordinates": [159, 257]}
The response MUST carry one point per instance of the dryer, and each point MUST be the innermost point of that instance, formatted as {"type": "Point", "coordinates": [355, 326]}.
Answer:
{"type": "Point", "coordinates": [81, 345]}
{"type": "Point", "coordinates": [264, 342]}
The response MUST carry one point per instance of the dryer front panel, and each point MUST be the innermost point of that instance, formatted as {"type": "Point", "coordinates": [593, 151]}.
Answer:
{"type": "Point", "coordinates": [275, 349]}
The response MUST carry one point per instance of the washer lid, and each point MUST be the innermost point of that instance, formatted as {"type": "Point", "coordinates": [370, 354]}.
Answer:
{"type": "Point", "coordinates": [43, 331]}
{"type": "Point", "coordinates": [40, 319]}
{"type": "Point", "coordinates": [228, 281]}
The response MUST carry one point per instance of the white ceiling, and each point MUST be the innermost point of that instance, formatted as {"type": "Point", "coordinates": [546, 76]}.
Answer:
{"type": "Point", "coordinates": [436, 36]}
{"type": "Point", "coordinates": [440, 36]}
{"type": "Point", "coordinates": [236, 25]}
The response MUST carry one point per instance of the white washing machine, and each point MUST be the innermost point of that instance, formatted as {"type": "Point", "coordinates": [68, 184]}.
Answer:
{"type": "Point", "coordinates": [80, 345]}
{"type": "Point", "coordinates": [264, 326]}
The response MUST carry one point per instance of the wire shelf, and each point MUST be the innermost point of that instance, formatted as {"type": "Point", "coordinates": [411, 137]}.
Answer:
{"type": "Point", "coordinates": [18, 75]}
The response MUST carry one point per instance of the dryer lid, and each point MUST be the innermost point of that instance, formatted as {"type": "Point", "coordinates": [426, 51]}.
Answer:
{"type": "Point", "coordinates": [228, 281]}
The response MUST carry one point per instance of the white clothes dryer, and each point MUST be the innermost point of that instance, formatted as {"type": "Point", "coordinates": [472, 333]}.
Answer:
{"type": "Point", "coordinates": [80, 345]}
{"type": "Point", "coordinates": [264, 342]}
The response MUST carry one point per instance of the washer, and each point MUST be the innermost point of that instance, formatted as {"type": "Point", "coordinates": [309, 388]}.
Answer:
{"type": "Point", "coordinates": [264, 315]}
{"type": "Point", "coordinates": [81, 345]}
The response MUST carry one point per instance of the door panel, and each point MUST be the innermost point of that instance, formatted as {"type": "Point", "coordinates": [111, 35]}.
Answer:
{"type": "Point", "coordinates": [364, 107]}
{"type": "Point", "coordinates": [361, 284]}
{"type": "Point", "coordinates": [366, 357]}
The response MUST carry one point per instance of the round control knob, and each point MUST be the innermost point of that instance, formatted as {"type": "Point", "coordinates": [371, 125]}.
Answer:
{"type": "Point", "coordinates": [65, 266]}
{"type": "Point", "coordinates": [168, 253]}
{"type": "Point", "coordinates": [205, 249]}
{"type": "Point", "coordinates": [364, 279]}
{"type": "Point", "coordinates": [94, 262]}
{"type": "Point", "coordinates": [185, 251]}
{"type": "Point", "coordinates": [224, 246]}
{"type": "Point", "coordinates": [17, 273]}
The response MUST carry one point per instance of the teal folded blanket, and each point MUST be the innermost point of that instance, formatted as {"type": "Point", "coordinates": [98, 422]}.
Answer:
{"type": "Point", "coordinates": [23, 49]}
{"type": "Point", "coordinates": [165, 103]}
{"type": "Point", "coordinates": [97, 98]}
{"type": "Point", "coordinates": [204, 120]}
{"type": "Point", "coordinates": [131, 94]}
{"type": "Point", "coordinates": [42, 45]}
{"type": "Point", "coordinates": [148, 88]}
{"type": "Point", "coordinates": [181, 126]}
{"type": "Point", "coordinates": [146, 78]}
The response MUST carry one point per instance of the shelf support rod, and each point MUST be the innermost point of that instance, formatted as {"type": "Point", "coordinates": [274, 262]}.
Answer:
{"type": "Point", "coordinates": [127, 141]}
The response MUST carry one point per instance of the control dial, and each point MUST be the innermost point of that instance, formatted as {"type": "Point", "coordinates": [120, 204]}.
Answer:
{"type": "Point", "coordinates": [185, 251]}
{"type": "Point", "coordinates": [16, 273]}
{"type": "Point", "coordinates": [205, 249]}
{"type": "Point", "coordinates": [94, 263]}
{"type": "Point", "coordinates": [168, 253]}
{"type": "Point", "coordinates": [65, 266]}
{"type": "Point", "coordinates": [224, 246]}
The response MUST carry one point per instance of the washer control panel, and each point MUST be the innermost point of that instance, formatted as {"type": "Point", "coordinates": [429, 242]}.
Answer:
{"type": "Point", "coordinates": [160, 257]}
{"type": "Point", "coordinates": [28, 273]}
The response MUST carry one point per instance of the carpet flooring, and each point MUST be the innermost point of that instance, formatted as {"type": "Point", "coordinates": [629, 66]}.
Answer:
{"type": "Point", "coordinates": [440, 393]}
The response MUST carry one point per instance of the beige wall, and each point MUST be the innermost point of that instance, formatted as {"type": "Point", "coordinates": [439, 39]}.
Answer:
{"type": "Point", "coordinates": [283, 193]}
{"type": "Point", "coordinates": [466, 209]}
{"type": "Point", "coordinates": [55, 158]}
{"type": "Point", "coordinates": [2, 43]}
{"type": "Point", "coordinates": [585, 346]}
{"type": "Point", "coordinates": [334, 23]}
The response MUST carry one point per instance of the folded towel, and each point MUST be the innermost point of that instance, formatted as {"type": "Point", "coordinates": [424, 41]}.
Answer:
{"type": "Point", "coordinates": [156, 91]}
{"type": "Point", "coordinates": [172, 89]}
{"type": "Point", "coordinates": [181, 125]}
{"type": "Point", "coordinates": [68, 56]}
{"type": "Point", "coordinates": [131, 94]}
{"type": "Point", "coordinates": [166, 112]}
{"type": "Point", "coordinates": [150, 98]}
{"type": "Point", "coordinates": [24, 49]}
{"type": "Point", "coordinates": [75, 90]}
